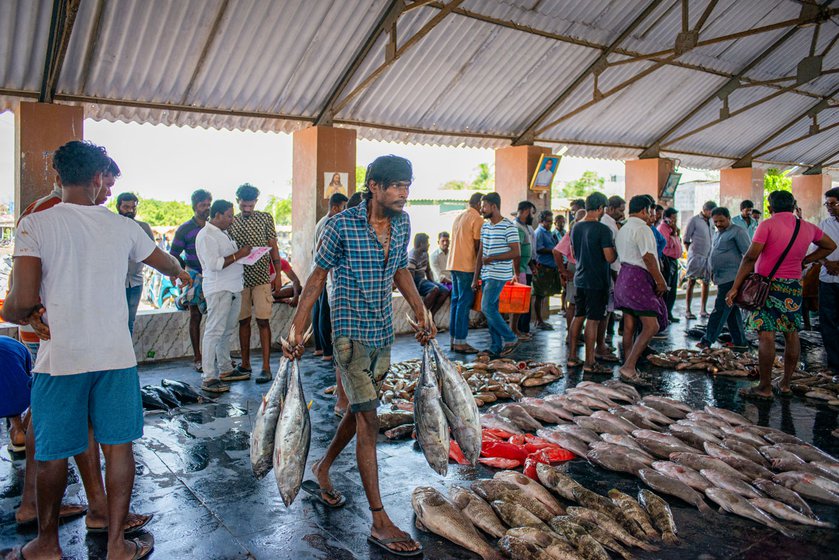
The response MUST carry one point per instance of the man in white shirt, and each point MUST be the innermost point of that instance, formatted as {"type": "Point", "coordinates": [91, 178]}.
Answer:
{"type": "Point", "coordinates": [829, 283]}
{"type": "Point", "coordinates": [439, 259]}
{"type": "Point", "coordinates": [70, 286]}
{"type": "Point", "coordinates": [223, 281]}
{"type": "Point", "coordinates": [640, 285]}
{"type": "Point", "coordinates": [613, 214]}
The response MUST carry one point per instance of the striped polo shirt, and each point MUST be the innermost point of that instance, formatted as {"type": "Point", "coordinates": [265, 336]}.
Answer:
{"type": "Point", "coordinates": [495, 240]}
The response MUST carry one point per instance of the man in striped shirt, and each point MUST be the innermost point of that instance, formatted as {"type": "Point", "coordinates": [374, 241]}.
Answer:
{"type": "Point", "coordinates": [499, 248]}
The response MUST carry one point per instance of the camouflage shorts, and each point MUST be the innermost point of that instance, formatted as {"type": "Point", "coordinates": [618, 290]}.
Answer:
{"type": "Point", "coordinates": [363, 370]}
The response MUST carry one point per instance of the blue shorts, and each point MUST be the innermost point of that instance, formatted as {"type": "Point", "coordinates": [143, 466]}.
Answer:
{"type": "Point", "coordinates": [62, 406]}
{"type": "Point", "coordinates": [425, 287]}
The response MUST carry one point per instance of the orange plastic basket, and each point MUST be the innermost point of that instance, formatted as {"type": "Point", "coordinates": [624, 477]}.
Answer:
{"type": "Point", "coordinates": [515, 298]}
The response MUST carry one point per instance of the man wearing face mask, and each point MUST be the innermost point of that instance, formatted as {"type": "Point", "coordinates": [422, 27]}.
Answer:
{"type": "Point", "coordinates": [127, 207]}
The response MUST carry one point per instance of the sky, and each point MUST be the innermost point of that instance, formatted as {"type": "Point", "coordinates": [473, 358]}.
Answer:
{"type": "Point", "coordinates": [168, 162]}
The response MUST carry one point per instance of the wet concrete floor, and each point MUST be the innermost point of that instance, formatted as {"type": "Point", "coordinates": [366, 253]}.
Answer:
{"type": "Point", "coordinates": [193, 473]}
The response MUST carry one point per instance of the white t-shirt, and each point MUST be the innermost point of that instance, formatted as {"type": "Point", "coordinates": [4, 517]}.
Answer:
{"type": "Point", "coordinates": [634, 240]}
{"type": "Point", "coordinates": [84, 252]}
{"type": "Point", "coordinates": [610, 223]}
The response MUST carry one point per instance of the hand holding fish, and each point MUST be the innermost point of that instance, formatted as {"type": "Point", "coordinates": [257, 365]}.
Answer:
{"type": "Point", "coordinates": [424, 327]}
{"type": "Point", "coordinates": [295, 345]}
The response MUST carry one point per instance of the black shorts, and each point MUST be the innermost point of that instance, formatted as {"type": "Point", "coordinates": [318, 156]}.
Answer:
{"type": "Point", "coordinates": [591, 304]}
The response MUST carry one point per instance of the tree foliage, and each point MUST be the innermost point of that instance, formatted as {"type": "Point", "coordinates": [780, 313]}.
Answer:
{"type": "Point", "coordinates": [584, 186]}
{"type": "Point", "coordinates": [158, 212]}
{"type": "Point", "coordinates": [774, 180]}
{"type": "Point", "coordinates": [280, 209]}
{"type": "Point", "coordinates": [360, 175]}
{"type": "Point", "coordinates": [484, 180]}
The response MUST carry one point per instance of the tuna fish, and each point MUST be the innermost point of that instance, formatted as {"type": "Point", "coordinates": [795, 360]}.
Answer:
{"type": "Point", "coordinates": [459, 407]}
{"type": "Point", "coordinates": [429, 419]}
{"type": "Point", "coordinates": [738, 505]}
{"type": "Point", "coordinates": [479, 512]}
{"type": "Point", "coordinates": [438, 515]}
{"type": "Point", "coordinates": [661, 515]}
{"type": "Point", "coordinates": [667, 485]}
{"type": "Point", "coordinates": [292, 438]}
{"type": "Point", "coordinates": [265, 423]}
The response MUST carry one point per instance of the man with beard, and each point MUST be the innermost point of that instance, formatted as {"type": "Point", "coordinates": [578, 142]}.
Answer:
{"type": "Point", "coordinates": [366, 248]}
{"type": "Point", "coordinates": [745, 219]}
{"type": "Point", "coordinates": [127, 206]}
{"type": "Point", "coordinates": [698, 241]}
{"type": "Point", "coordinates": [183, 249]}
{"type": "Point", "coordinates": [520, 324]}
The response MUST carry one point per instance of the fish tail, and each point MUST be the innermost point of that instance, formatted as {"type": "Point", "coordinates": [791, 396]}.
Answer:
{"type": "Point", "coordinates": [670, 538]}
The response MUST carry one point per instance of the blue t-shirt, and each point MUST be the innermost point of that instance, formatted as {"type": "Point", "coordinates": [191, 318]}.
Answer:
{"type": "Point", "coordinates": [544, 240]}
{"type": "Point", "coordinates": [660, 242]}
{"type": "Point", "coordinates": [15, 365]}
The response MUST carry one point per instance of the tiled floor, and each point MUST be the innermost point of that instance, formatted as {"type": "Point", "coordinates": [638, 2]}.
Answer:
{"type": "Point", "coordinates": [193, 472]}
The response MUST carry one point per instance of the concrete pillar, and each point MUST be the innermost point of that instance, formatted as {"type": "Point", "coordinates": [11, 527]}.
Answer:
{"type": "Point", "coordinates": [40, 129]}
{"type": "Point", "coordinates": [737, 185]}
{"type": "Point", "coordinates": [514, 168]}
{"type": "Point", "coordinates": [808, 191]}
{"type": "Point", "coordinates": [646, 176]}
{"type": "Point", "coordinates": [317, 150]}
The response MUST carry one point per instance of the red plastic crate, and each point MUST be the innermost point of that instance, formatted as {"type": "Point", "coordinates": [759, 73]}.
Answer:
{"type": "Point", "coordinates": [515, 298]}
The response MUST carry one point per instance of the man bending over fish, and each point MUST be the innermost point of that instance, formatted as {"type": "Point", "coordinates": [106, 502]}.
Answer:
{"type": "Point", "coordinates": [366, 249]}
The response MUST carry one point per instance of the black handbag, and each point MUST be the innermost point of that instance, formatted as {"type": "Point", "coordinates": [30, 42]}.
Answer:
{"type": "Point", "coordinates": [755, 289]}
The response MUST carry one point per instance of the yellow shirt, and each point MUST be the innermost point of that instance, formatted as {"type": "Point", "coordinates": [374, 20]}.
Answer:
{"type": "Point", "coordinates": [466, 230]}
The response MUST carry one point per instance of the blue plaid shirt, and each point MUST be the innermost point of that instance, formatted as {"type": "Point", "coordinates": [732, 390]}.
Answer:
{"type": "Point", "coordinates": [363, 281]}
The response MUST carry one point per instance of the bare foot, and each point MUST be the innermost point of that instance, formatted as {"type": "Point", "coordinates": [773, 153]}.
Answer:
{"type": "Point", "coordinates": [132, 521]}
{"type": "Point", "coordinates": [27, 514]}
{"type": "Point", "coordinates": [387, 530]}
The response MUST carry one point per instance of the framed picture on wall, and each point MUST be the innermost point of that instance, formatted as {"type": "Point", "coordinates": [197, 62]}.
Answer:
{"type": "Point", "coordinates": [335, 182]}
{"type": "Point", "coordinates": [543, 177]}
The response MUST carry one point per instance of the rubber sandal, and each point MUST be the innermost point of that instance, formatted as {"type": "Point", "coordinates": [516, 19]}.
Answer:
{"type": "Point", "coordinates": [636, 381]}
{"type": "Point", "coordinates": [776, 388]}
{"type": "Point", "coordinates": [690, 316]}
{"type": "Point", "coordinates": [383, 544]}
{"type": "Point", "coordinates": [311, 487]}
{"type": "Point", "coordinates": [196, 365]}
{"type": "Point", "coordinates": [596, 368]}
{"type": "Point", "coordinates": [751, 394]}
{"type": "Point", "coordinates": [128, 530]}
{"type": "Point", "coordinates": [464, 349]}
{"type": "Point", "coordinates": [16, 448]}
{"type": "Point", "coordinates": [215, 386]}
{"type": "Point", "coordinates": [509, 349]}
{"type": "Point", "coordinates": [263, 377]}
{"type": "Point", "coordinates": [80, 509]}
{"type": "Point", "coordinates": [574, 363]}
{"type": "Point", "coordinates": [144, 544]}
{"type": "Point", "coordinates": [607, 358]}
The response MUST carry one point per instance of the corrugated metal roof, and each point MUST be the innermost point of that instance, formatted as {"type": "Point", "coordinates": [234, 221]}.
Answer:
{"type": "Point", "coordinates": [479, 78]}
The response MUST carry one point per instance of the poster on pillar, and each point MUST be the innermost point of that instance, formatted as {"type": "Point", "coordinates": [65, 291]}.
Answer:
{"type": "Point", "coordinates": [335, 182]}
{"type": "Point", "coordinates": [543, 177]}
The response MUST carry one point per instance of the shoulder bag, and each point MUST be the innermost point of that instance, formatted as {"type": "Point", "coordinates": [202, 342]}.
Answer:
{"type": "Point", "coordinates": [755, 289]}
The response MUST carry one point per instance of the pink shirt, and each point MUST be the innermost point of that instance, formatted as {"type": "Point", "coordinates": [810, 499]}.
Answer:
{"type": "Point", "coordinates": [673, 249]}
{"type": "Point", "coordinates": [775, 234]}
{"type": "Point", "coordinates": [564, 248]}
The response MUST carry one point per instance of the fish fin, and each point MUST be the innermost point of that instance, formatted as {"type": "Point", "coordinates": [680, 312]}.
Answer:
{"type": "Point", "coordinates": [420, 526]}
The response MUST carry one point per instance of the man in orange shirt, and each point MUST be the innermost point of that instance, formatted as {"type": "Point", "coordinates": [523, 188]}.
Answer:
{"type": "Point", "coordinates": [466, 237]}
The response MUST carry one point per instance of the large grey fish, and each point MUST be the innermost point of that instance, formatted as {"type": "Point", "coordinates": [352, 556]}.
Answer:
{"type": "Point", "coordinates": [184, 391]}
{"type": "Point", "coordinates": [615, 419]}
{"type": "Point", "coordinates": [265, 422]}
{"type": "Point", "coordinates": [745, 449]}
{"type": "Point", "coordinates": [609, 525]}
{"type": "Point", "coordinates": [569, 405]}
{"type": "Point", "coordinates": [668, 485]}
{"type": "Point", "coordinates": [635, 513]}
{"type": "Point", "coordinates": [479, 512]}
{"type": "Point", "coordinates": [731, 417]}
{"type": "Point", "coordinates": [738, 505]}
{"type": "Point", "coordinates": [520, 549]}
{"type": "Point", "coordinates": [697, 462]}
{"type": "Point", "coordinates": [626, 441]}
{"type": "Point", "coordinates": [737, 462]}
{"type": "Point", "coordinates": [533, 490]}
{"type": "Point", "coordinates": [556, 547]}
{"type": "Point", "coordinates": [780, 459]}
{"type": "Point", "coordinates": [517, 415]}
{"type": "Point", "coordinates": [292, 438]}
{"type": "Point", "coordinates": [785, 495]}
{"type": "Point", "coordinates": [651, 414]}
{"type": "Point", "coordinates": [587, 546]}
{"type": "Point", "coordinates": [668, 401]}
{"type": "Point", "coordinates": [702, 425]}
{"type": "Point", "coordinates": [611, 392]}
{"type": "Point", "coordinates": [702, 416]}
{"type": "Point", "coordinates": [541, 413]}
{"type": "Point", "coordinates": [495, 422]}
{"type": "Point", "coordinates": [663, 448]}
{"type": "Point", "coordinates": [808, 452]}
{"type": "Point", "coordinates": [635, 418]}
{"type": "Point", "coordinates": [438, 515]}
{"type": "Point", "coordinates": [599, 425]}
{"type": "Point", "coordinates": [557, 481]}
{"type": "Point", "coordinates": [459, 407]}
{"type": "Point", "coordinates": [693, 435]}
{"type": "Point", "coordinates": [596, 502]}
{"type": "Point", "coordinates": [625, 388]}
{"type": "Point", "coordinates": [616, 461]}
{"type": "Point", "coordinates": [429, 419]}
{"type": "Point", "coordinates": [686, 474]}
{"type": "Point", "coordinates": [745, 435]}
{"type": "Point", "coordinates": [722, 480]}
{"type": "Point", "coordinates": [516, 515]}
{"type": "Point", "coordinates": [780, 510]}
{"type": "Point", "coordinates": [585, 434]}
{"type": "Point", "coordinates": [827, 468]}
{"type": "Point", "coordinates": [600, 397]}
{"type": "Point", "coordinates": [496, 489]}
{"type": "Point", "coordinates": [606, 447]}
{"type": "Point", "coordinates": [812, 486]}
{"type": "Point", "coordinates": [567, 441]}
{"type": "Point", "coordinates": [665, 408]}
{"type": "Point", "coordinates": [587, 400]}
{"type": "Point", "coordinates": [661, 515]}
{"type": "Point", "coordinates": [782, 437]}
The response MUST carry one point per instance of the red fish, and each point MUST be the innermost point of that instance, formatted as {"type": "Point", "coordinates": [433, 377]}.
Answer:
{"type": "Point", "coordinates": [496, 434]}
{"type": "Point", "coordinates": [504, 450]}
{"type": "Point", "coordinates": [455, 453]}
{"type": "Point", "coordinates": [518, 439]}
{"type": "Point", "coordinates": [558, 454]}
{"type": "Point", "coordinates": [500, 463]}
{"type": "Point", "coordinates": [532, 460]}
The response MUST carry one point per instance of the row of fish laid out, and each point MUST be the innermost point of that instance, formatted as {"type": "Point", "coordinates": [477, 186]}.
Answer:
{"type": "Point", "coordinates": [823, 387]}
{"type": "Point", "coordinates": [282, 430]}
{"type": "Point", "coordinates": [170, 394]}
{"type": "Point", "coordinates": [714, 453]}
{"type": "Point", "coordinates": [720, 362]}
{"type": "Point", "coordinates": [530, 522]}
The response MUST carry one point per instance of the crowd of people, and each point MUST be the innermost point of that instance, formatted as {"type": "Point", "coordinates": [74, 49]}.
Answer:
{"type": "Point", "coordinates": [616, 263]}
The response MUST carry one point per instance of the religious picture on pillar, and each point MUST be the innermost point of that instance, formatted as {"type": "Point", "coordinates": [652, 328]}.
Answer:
{"type": "Point", "coordinates": [543, 177]}
{"type": "Point", "coordinates": [334, 182]}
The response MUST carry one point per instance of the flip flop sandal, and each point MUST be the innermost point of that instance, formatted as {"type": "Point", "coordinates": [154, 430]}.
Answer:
{"type": "Point", "coordinates": [383, 544]}
{"type": "Point", "coordinates": [509, 349]}
{"type": "Point", "coordinates": [311, 487]}
{"type": "Point", "coordinates": [751, 394]}
{"type": "Point", "coordinates": [82, 509]}
{"type": "Point", "coordinates": [776, 388]}
{"type": "Point", "coordinates": [690, 316]}
{"type": "Point", "coordinates": [128, 531]}
{"type": "Point", "coordinates": [607, 358]}
{"type": "Point", "coordinates": [197, 366]}
{"type": "Point", "coordinates": [144, 544]}
{"type": "Point", "coordinates": [573, 363]}
{"type": "Point", "coordinates": [636, 381]}
{"type": "Point", "coordinates": [338, 412]}
{"type": "Point", "coordinates": [596, 368]}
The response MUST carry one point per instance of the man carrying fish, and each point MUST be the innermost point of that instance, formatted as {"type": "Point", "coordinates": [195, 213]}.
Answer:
{"type": "Point", "coordinates": [366, 249]}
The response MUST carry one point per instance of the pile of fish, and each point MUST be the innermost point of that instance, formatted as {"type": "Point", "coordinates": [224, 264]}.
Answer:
{"type": "Point", "coordinates": [170, 394]}
{"type": "Point", "coordinates": [531, 523]}
{"type": "Point", "coordinates": [443, 403]}
{"type": "Point", "coordinates": [822, 387]}
{"type": "Point", "coordinates": [720, 362]}
{"type": "Point", "coordinates": [282, 430]}
{"type": "Point", "coordinates": [756, 472]}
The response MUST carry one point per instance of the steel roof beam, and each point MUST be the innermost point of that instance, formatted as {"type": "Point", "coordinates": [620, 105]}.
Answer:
{"type": "Point", "coordinates": [817, 169]}
{"type": "Point", "coordinates": [61, 27]}
{"type": "Point", "coordinates": [529, 133]}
